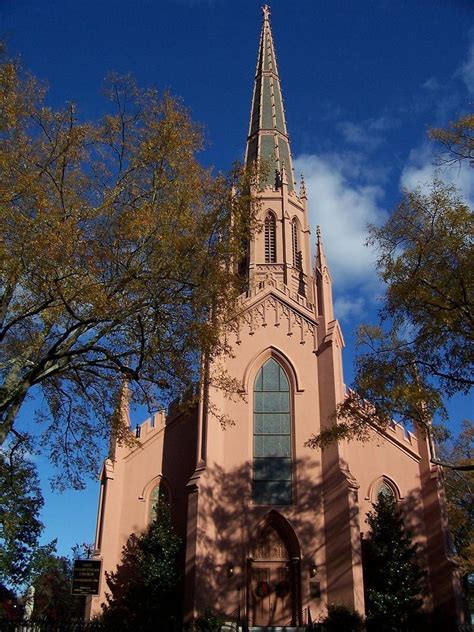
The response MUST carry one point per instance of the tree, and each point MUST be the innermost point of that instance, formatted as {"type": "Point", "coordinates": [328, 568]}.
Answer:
{"type": "Point", "coordinates": [10, 609]}
{"type": "Point", "coordinates": [53, 600]}
{"type": "Point", "coordinates": [392, 579]}
{"type": "Point", "coordinates": [457, 140]}
{"type": "Point", "coordinates": [142, 589]}
{"type": "Point", "coordinates": [459, 488]}
{"type": "Point", "coordinates": [422, 350]}
{"type": "Point", "coordinates": [117, 253]}
{"type": "Point", "coordinates": [21, 501]}
{"type": "Point", "coordinates": [341, 617]}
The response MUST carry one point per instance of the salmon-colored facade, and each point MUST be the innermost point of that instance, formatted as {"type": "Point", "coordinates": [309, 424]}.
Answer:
{"type": "Point", "coordinates": [272, 529]}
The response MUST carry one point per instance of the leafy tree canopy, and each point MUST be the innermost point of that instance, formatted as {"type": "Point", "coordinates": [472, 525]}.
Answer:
{"type": "Point", "coordinates": [117, 253]}
{"type": "Point", "coordinates": [21, 501]}
{"type": "Point", "coordinates": [459, 488]}
{"type": "Point", "coordinates": [457, 140]}
{"type": "Point", "coordinates": [422, 350]}
{"type": "Point", "coordinates": [52, 584]}
{"type": "Point", "coordinates": [341, 617]}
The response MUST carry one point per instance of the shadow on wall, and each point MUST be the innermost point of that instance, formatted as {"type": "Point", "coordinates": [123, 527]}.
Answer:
{"type": "Point", "coordinates": [427, 522]}
{"type": "Point", "coordinates": [232, 524]}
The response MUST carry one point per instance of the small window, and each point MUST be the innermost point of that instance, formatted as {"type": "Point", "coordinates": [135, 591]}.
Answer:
{"type": "Point", "coordinates": [272, 463]}
{"type": "Point", "coordinates": [270, 238]}
{"type": "Point", "coordinates": [295, 244]}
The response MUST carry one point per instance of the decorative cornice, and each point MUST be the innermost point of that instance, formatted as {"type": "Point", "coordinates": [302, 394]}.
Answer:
{"type": "Point", "coordinates": [269, 278]}
{"type": "Point", "coordinates": [270, 309]}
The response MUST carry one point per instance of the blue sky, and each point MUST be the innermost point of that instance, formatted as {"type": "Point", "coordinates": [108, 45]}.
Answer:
{"type": "Point", "coordinates": [362, 81]}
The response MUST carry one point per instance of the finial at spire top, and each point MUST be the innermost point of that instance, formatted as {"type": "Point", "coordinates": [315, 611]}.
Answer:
{"type": "Point", "coordinates": [318, 232]}
{"type": "Point", "coordinates": [266, 11]}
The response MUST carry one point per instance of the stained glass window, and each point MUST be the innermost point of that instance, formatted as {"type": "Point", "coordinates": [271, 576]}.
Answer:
{"type": "Point", "coordinates": [272, 464]}
{"type": "Point", "coordinates": [386, 491]}
{"type": "Point", "coordinates": [158, 494]}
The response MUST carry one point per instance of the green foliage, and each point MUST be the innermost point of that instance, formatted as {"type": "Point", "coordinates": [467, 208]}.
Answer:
{"type": "Point", "coordinates": [421, 351]}
{"type": "Point", "coordinates": [209, 622]}
{"type": "Point", "coordinates": [53, 583]}
{"type": "Point", "coordinates": [459, 488]}
{"type": "Point", "coordinates": [342, 618]}
{"type": "Point", "coordinates": [10, 610]}
{"type": "Point", "coordinates": [142, 589]}
{"type": "Point", "coordinates": [117, 258]}
{"type": "Point", "coordinates": [392, 578]}
{"type": "Point", "coordinates": [21, 501]}
{"type": "Point", "coordinates": [457, 140]}
{"type": "Point", "coordinates": [425, 258]}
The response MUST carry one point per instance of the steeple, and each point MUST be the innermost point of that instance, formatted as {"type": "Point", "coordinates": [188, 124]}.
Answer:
{"type": "Point", "coordinates": [268, 137]}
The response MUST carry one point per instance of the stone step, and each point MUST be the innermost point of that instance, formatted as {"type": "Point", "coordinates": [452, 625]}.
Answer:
{"type": "Point", "coordinates": [232, 627]}
{"type": "Point", "coordinates": [277, 628]}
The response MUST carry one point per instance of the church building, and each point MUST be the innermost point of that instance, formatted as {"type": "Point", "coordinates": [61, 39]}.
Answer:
{"type": "Point", "coordinates": [271, 528]}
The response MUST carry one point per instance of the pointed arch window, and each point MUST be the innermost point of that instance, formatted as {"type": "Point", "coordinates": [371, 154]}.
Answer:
{"type": "Point", "coordinates": [295, 244]}
{"type": "Point", "coordinates": [386, 490]}
{"type": "Point", "coordinates": [272, 463]}
{"type": "Point", "coordinates": [159, 494]}
{"type": "Point", "coordinates": [270, 238]}
{"type": "Point", "coordinates": [386, 487]}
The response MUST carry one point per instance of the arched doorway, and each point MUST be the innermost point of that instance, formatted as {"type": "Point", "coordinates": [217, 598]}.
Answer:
{"type": "Point", "coordinates": [273, 578]}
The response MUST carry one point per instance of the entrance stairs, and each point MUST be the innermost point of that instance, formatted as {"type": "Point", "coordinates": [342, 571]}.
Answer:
{"type": "Point", "coordinates": [232, 627]}
{"type": "Point", "coordinates": [277, 628]}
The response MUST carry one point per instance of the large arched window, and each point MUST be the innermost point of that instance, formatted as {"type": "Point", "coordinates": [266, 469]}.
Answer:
{"type": "Point", "coordinates": [272, 467]}
{"type": "Point", "coordinates": [270, 238]}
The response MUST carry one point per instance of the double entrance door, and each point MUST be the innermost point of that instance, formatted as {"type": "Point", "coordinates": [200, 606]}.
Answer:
{"type": "Point", "coordinates": [271, 593]}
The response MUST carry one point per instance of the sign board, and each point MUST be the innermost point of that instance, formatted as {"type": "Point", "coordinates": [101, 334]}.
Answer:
{"type": "Point", "coordinates": [85, 580]}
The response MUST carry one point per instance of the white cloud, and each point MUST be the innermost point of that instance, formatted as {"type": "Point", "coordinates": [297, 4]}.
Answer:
{"type": "Point", "coordinates": [421, 169]}
{"type": "Point", "coordinates": [342, 200]}
{"type": "Point", "coordinates": [348, 308]}
{"type": "Point", "coordinates": [356, 134]}
{"type": "Point", "coordinates": [466, 71]}
{"type": "Point", "coordinates": [366, 134]}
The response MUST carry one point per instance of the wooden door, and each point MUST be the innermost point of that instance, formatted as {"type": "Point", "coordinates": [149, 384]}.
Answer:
{"type": "Point", "coordinates": [271, 594]}
{"type": "Point", "coordinates": [271, 590]}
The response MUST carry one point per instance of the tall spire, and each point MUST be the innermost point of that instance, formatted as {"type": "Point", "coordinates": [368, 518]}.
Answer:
{"type": "Point", "coordinates": [268, 137]}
